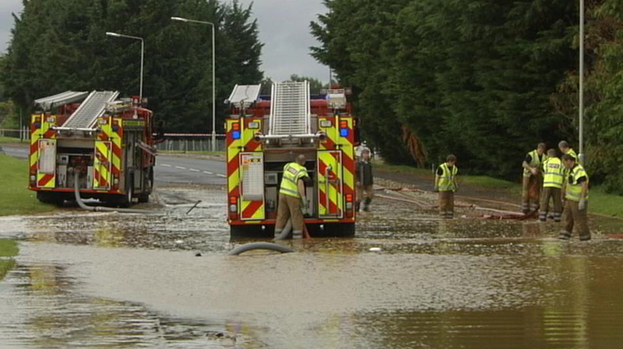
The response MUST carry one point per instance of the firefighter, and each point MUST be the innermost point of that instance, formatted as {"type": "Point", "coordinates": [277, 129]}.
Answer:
{"type": "Point", "coordinates": [565, 149]}
{"type": "Point", "coordinates": [446, 185]}
{"type": "Point", "coordinates": [364, 180]}
{"type": "Point", "coordinates": [576, 194]}
{"type": "Point", "coordinates": [532, 179]}
{"type": "Point", "coordinates": [553, 180]}
{"type": "Point", "coordinates": [292, 201]}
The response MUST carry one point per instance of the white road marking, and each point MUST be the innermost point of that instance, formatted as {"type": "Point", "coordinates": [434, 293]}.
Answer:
{"type": "Point", "coordinates": [194, 170]}
{"type": "Point", "coordinates": [221, 175]}
{"type": "Point", "coordinates": [165, 165]}
{"type": "Point", "coordinates": [207, 172]}
{"type": "Point", "coordinates": [180, 167]}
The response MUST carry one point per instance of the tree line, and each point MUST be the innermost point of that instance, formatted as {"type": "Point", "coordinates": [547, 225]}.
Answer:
{"type": "Point", "coordinates": [60, 45]}
{"type": "Point", "coordinates": [483, 79]}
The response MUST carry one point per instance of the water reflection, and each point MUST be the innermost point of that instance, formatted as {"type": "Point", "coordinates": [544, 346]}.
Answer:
{"type": "Point", "coordinates": [40, 309]}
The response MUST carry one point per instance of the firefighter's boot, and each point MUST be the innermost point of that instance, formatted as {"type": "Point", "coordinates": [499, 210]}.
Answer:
{"type": "Point", "coordinates": [366, 205]}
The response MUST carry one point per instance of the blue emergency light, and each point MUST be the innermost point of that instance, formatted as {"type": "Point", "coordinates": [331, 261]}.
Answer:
{"type": "Point", "coordinates": [235, 134]}
{"type": "Point", "coordinates": [344, 128]}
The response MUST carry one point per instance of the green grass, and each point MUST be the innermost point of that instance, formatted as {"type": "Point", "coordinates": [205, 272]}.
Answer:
{"type": "Point", "coordinates": [600, 202]}
{"type": "Point", "coordinates": [15, 198]}
{"type": "Point", "coordinates": [9, 140]}
{"type": "Point", "coordinates": [403, 169]}
{"type": "Point", "coordinates": [8, 248]}
{"type": "Point", "coordinates": [606, 204]}
{"type": "Point", "coordinates": [490, 182]}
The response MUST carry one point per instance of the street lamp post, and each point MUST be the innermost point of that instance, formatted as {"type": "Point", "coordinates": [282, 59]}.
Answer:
{"type": "Point", "coordinates": [581, 87]}
{"type": "Point", "coordinates": [186, 20]}
{"type": "Point", "coordinates": [142, 58]}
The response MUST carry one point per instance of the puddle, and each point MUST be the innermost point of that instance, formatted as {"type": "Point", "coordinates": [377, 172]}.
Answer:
{"type": "Point", "coordinates": [41, 309]}
{"type": "Point", "coordinates": [131, 280]}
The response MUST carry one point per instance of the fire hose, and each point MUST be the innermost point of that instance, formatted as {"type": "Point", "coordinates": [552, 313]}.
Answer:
{"type": "Point", "coordinates": [260, 246]}
{"type": "Point", "coordinates": [99, 208]}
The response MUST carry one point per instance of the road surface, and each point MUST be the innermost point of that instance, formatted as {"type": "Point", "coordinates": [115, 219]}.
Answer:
{"type": "Point", "coordinates": [169, 169]}
{"type": "Point", "coordinates": [184, 170]}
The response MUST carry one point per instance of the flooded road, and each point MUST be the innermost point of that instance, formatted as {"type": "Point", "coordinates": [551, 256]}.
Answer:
{"type": "Point", "coordinates": [105, 280]}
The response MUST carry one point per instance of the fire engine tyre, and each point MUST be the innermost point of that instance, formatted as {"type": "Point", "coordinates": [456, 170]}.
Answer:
{"type": "Point", "coordinates": [129, 193]}
{"type": "Point", "coordinates": [144, 197]}
{"type": "Point", "coordinates": [259, 246]}
{"type": "Point", "coordinates": [338, 230]}
{"type": "Point", "coordinates": [250, 231]}
{"type": "Point", "coordinates": [51, 198]}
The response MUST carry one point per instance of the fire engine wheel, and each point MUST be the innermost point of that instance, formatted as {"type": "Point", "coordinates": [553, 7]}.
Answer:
{"type": "Point", "coordinates": [337, 230]}
{"type": "Point", "coordinates": [50, 198]}
{"type": "Point", "coordinates": [251, 231]}
{"type": "Point", "coordinates": [144, 197]}
{"type": "Point", "coordinates": [129, 193]}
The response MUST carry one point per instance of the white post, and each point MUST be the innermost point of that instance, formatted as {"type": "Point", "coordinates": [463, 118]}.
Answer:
{"type": "Point", "coordinates": [186, 20]}
{"type": "Point", "coordinates": [581, 87]}
{"type": "Point", "coordinates": [213, 88]}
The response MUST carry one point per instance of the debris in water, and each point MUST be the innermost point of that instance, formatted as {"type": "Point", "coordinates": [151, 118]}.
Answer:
{"type": "Point", "coordinates": [179, 241]}
{"type": "Point", "coordinates": [375, 249]}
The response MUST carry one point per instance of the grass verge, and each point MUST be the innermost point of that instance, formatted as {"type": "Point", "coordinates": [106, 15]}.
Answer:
{"type": "Point", "coordinates": [8, 248]}
{"type": "Point", "coordinates": [600, 201]}
{"type": "Point", "coordinates": [15, 198]}
{"type": "Point", "coordinates": [9, 140]}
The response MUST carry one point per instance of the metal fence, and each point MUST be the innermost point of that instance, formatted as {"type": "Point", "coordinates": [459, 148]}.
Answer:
{"type": "Point", "coordinates": [18, 134]}
{"type": "Point", "coordinates": [176, 142]}
{"type": "Point", "coordinates": [191, 143]}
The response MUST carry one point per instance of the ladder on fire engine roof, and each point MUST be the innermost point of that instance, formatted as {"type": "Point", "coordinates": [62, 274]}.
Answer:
{"type": "Point", "coordinates": [51, 102]}
{"type": "Point", "coordinates": [290, 112]}
{"type": "Point", "coordinates": [85, 117]}
{"type": "Point", "coordinates": [244, 95]}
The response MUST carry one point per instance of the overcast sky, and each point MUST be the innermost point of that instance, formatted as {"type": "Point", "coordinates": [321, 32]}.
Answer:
{"type": "Point", "coordinates": [284, 30]}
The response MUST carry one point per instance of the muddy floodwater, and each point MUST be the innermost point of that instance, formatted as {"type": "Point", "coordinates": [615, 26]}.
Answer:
{"type": "Point", "coordinates": [104, 280]}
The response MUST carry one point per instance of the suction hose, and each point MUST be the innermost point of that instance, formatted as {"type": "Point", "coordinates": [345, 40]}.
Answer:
{"type": "Point", "coordinates": [285, 232]}
{"type": "Point", "coordinates": [260, 246]}
{"type": "Point", "coordinates": [99, 208]}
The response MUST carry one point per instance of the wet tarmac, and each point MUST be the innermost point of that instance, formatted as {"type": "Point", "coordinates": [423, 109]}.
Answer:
{"type": "Point", "coordinates": [108, 280]}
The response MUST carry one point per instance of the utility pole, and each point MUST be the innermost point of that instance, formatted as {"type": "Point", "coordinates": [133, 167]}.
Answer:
{"type": "Point", "coordinates": [186, 20]}
{"type": "Point", "coordinates": [582, 156]}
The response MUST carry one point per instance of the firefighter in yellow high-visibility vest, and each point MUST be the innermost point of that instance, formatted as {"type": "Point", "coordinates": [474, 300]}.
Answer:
{"type": "Point", "coordinates": [292, 202]}
{"type": "Point", "coordinates": [532, 179]}
{"type": "Point", "coordinates": [576, 195]}
{"type": "Point", "coordinates": [553, 179]}
{"type": "Point", "coordinates": [446, 185]}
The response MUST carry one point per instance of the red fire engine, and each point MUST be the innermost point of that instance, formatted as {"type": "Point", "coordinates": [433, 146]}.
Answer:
{"type": "Point", "coordinates": [107, 144]}
{"type": "Point", "coordinates": [266, 132]}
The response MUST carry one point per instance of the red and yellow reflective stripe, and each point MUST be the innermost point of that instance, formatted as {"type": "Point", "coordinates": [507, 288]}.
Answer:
{"type": "Point", "coordinates": [101, 165]}
{"type": "Point", "coordinates": [233, 161]}
{"type": "Point", "coordinates": [330, 158]}
{"type": "Point", "coordinates": [35, 136]}
{"type": "Point", "coordinates": [108, 153]}
{"type": "Point", "coordinates": [252, 210]}
{"type": "Point", "coordinates": [44, 131]}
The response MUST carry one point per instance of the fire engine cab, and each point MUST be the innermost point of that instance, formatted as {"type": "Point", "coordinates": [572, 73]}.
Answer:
{"type": "Point", "coordinates": [264, 133]}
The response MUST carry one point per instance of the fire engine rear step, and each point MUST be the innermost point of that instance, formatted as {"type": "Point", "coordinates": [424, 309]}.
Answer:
{"type": "Point", "coordinates": [90, 110]}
